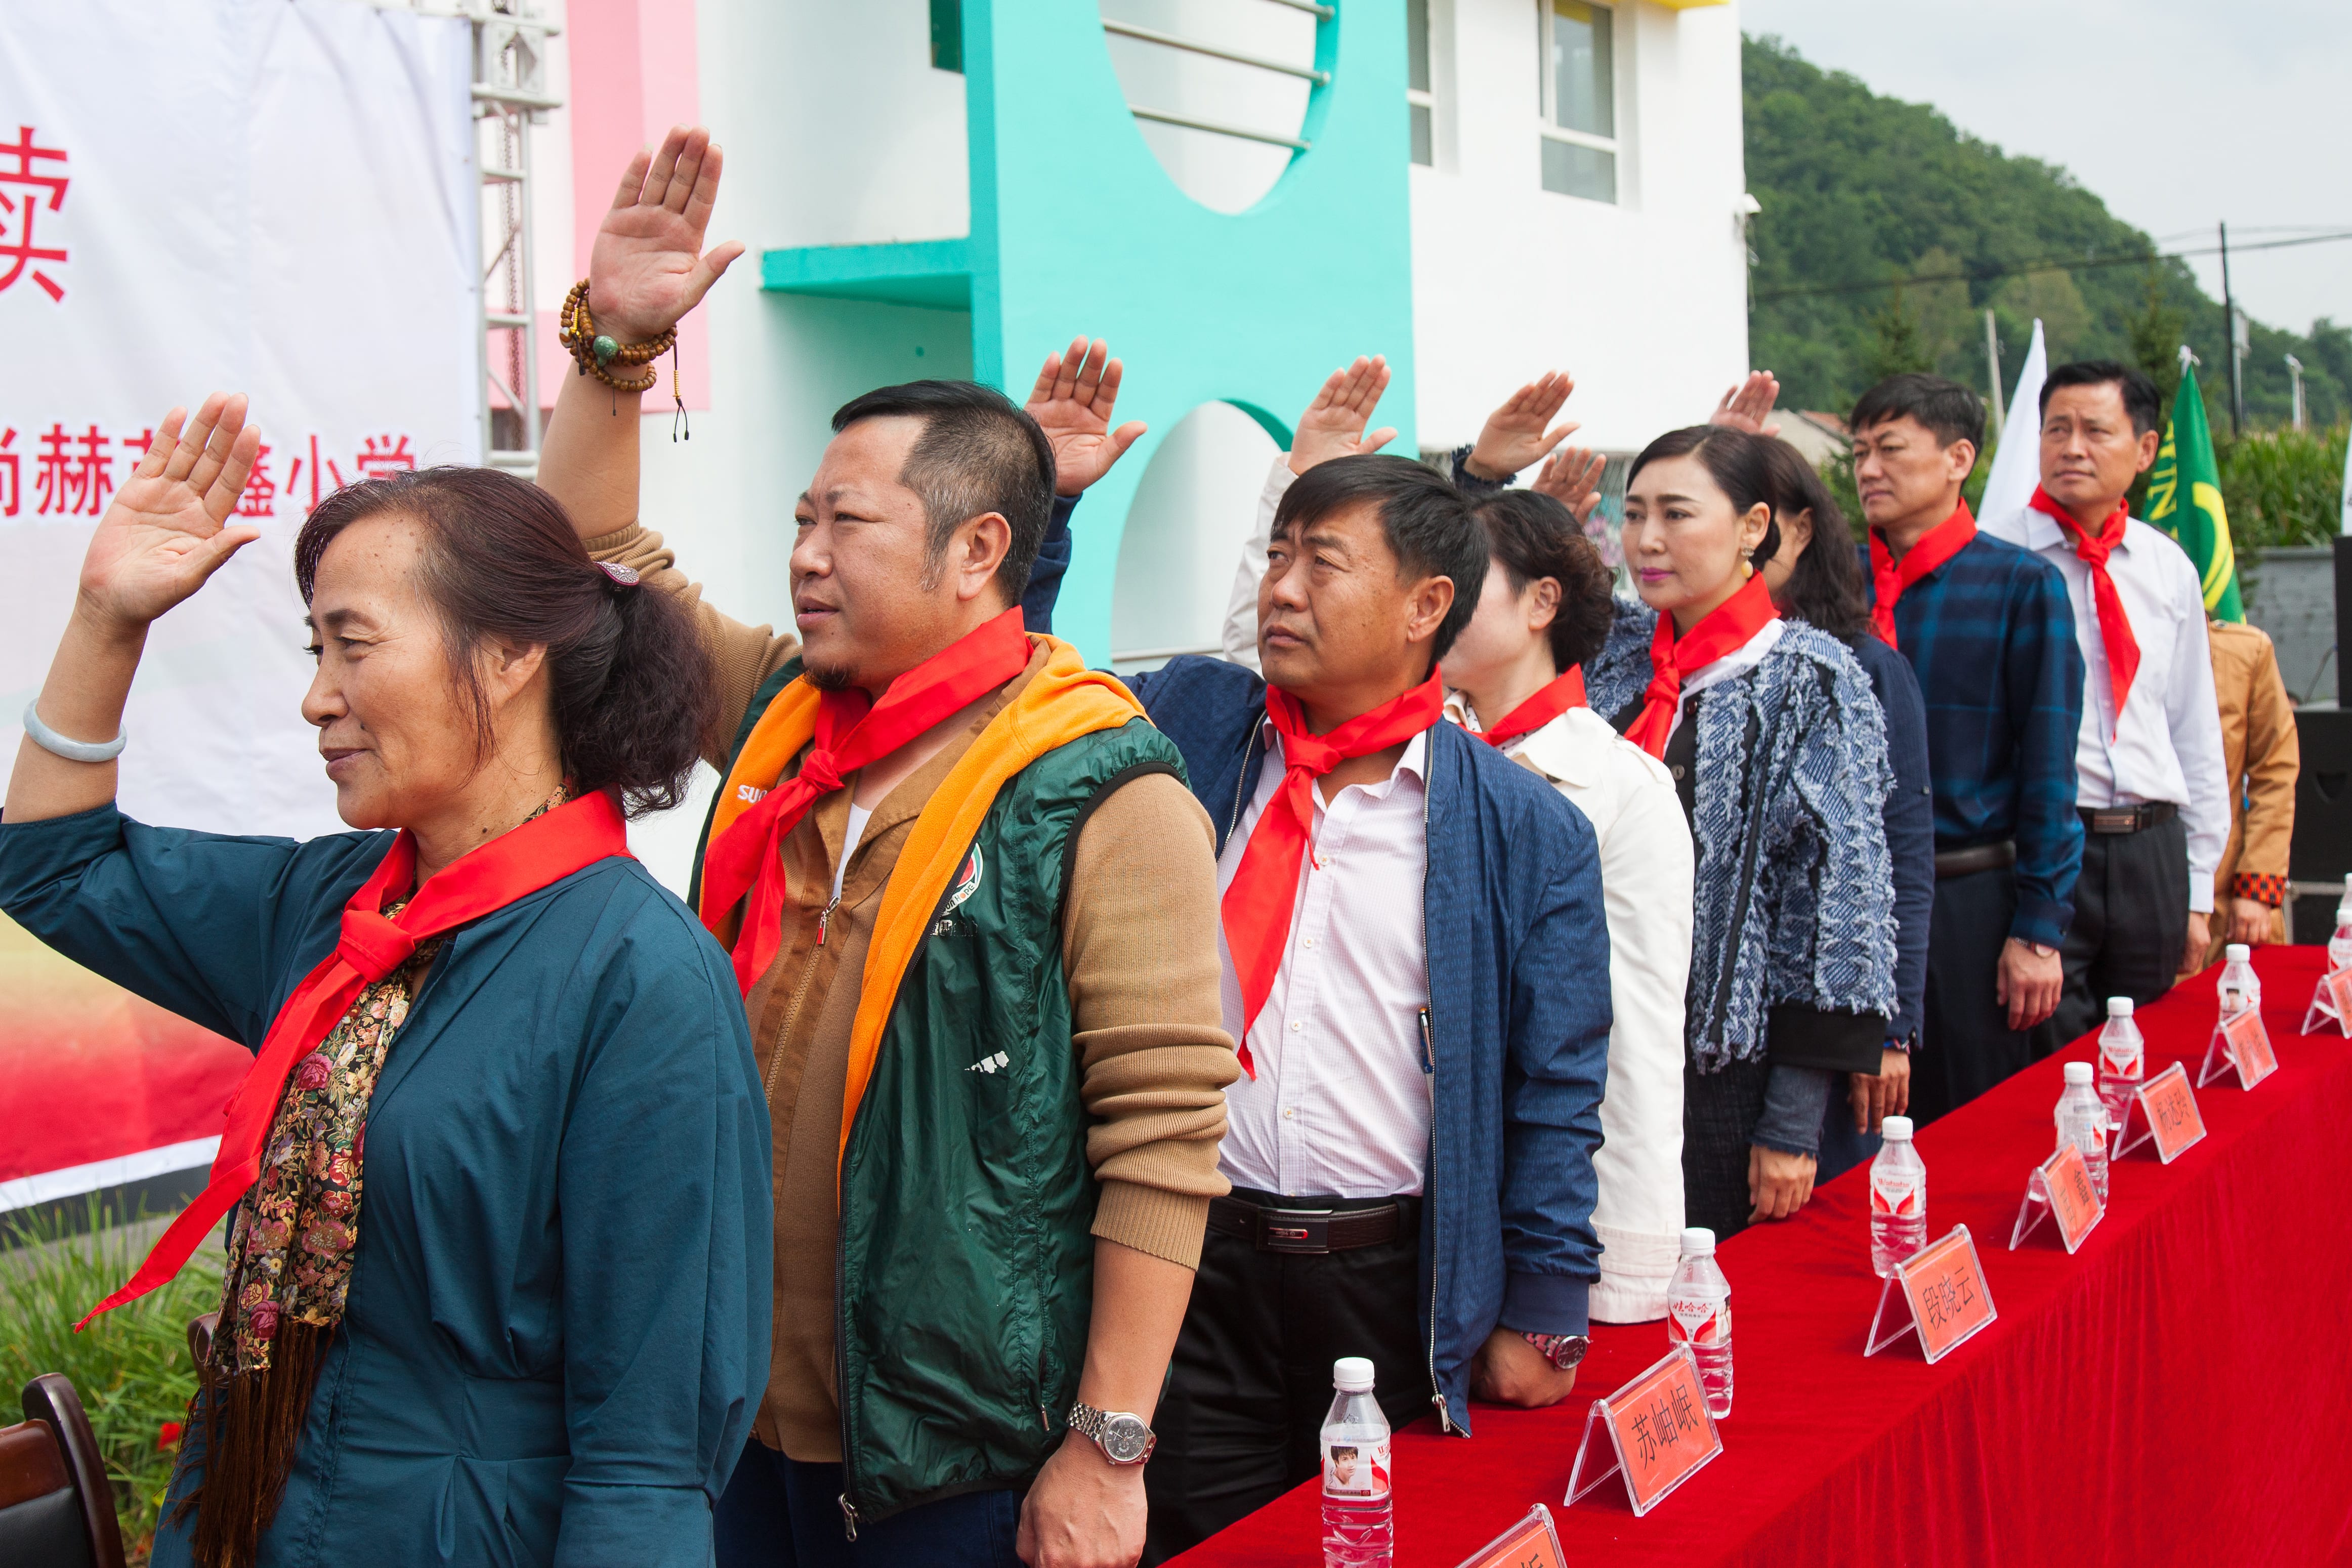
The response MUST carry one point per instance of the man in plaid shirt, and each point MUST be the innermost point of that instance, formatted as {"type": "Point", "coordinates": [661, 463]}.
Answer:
{"type": "Point", "coordinates": [1988, 628]}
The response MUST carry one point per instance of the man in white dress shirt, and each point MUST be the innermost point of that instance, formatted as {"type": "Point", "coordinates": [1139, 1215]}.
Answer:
{"type": "Point", "coordinates": [2150, 784]}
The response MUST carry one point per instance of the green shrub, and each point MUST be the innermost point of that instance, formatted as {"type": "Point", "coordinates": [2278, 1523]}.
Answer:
{"type": "Point", "coordinates": [131, 1367]}
{"type": "Point", "coordinates": [2283, 487]}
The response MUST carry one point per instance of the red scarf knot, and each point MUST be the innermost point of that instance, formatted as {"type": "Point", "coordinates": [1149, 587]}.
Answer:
{"type": "Point", "coordinates": [852, 730]}
{"type": "Point", "coordinates": [1889, 578]}
{"type": "Point", "coordinates": [373, 945]}
{"type": "Point", "coordinates": [1259, 901]}
{"type": "Point", "coordinates": [2115, 624]}
{"type": "Point", "coordinates": [1556, 695]}
{"type": "Point", "coordinates": [1726, 629]}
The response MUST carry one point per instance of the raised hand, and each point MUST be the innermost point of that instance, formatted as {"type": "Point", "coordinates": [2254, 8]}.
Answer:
{"type": "Point", "coordinates": [1515, 434]}
{"type": "Point", "coordinates": [1571, 476]}
{"type": "Point", "coordinates": [1333, 425]}
{"type": "Point", "coordinates": [647, 268]}
{"type": "Point", "coordinates": [1749, 405]}
{"type": "Point", "coordinates": [1073, 402]}
{"type": "Point", "coordinates": [167, 531]}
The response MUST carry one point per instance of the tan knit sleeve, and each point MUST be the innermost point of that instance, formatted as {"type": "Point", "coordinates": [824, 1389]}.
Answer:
{"type": "Point", "coordinates": [743, 655]}
{"type": "Point", "coordinates": [2274, 759]}
{"type": "Point", "coordinates": [1139, 945]}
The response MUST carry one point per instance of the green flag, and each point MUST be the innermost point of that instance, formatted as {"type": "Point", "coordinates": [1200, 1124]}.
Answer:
{"type": "Point", "coordinates": [2184, 499]}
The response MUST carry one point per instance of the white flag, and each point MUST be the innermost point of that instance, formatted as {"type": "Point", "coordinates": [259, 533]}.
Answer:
{"type": "Point", "coordinates": [2017, 463]}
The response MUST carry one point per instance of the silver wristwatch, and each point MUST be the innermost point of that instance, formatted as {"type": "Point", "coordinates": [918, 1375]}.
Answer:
{"type": "Point", "coordinates": [1124, 1439]}
{"type": "Point", "coordinates": [1562, 1349]}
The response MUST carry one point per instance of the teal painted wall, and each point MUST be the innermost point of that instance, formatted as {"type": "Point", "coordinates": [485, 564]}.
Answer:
{"type": "Point", "coordinates": [1076, 228]}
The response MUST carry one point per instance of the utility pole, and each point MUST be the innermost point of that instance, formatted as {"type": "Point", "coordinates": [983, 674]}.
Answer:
{"type": "Point", "coordinates": [2229, 338]}
{"type": "Point", "coordinates": [2295, 379]}
{"type": "Point", "coordinates": [1992, 372]}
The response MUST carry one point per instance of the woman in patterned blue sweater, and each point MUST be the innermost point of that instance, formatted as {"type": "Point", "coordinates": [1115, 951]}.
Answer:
{"type": "Point", "coordinates": [1779, 752]}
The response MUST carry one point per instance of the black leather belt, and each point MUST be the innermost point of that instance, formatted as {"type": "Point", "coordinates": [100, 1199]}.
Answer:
{"type": "Point", "coordinates": [1306, 1230]}
{"type": "Point", "coordinates": [1974, 859]}
{"type": "Point", "coordinates": [2128, 819]}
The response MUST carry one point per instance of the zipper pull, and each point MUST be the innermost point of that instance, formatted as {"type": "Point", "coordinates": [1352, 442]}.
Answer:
{"type": "Point", "coordinates": [1428, 1047]}
{"type": "Point", "coordinates": [848, 1517]}
{"type": "Point", "coordinates": [824, 915]}
{"type": "Point", "coordinates": [1445, 1416]}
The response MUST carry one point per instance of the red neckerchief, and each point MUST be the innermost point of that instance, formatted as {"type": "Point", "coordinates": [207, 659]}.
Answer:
{"type": "Point", "coordinates": [2115, 625]}
{"type": "Point", "coordinates": [1259, 902]}
{"type": "Point", "coordinates": [1673, 660]}
{"type": "Point", "coordinates": [512, 866]}
{"type": "Point", "coordinates": [1890, 577]}
{"type": "Point", "coordinates": [1556, 696]}
{"type": "Point", "coordinates": [852, 730]}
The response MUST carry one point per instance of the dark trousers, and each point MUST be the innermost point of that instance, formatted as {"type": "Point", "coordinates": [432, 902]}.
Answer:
{"type": "Point", "coordinates": [1966, 1045]}
{"type": "Point", "coordinates": [1720, 1114]}
{"type": "Point", "coordinates": [784, 1513]}
{"type": "Point", "coordinates": [2131, 921]}
{"type": "Point", "coordinates": [1251, 1382]}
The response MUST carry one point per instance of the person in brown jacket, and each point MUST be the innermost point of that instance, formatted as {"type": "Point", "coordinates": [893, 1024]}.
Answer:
{"type": "Point", "coordinates": [913, 541]}
{"type": "Point", "coordinates": [2260, 756]}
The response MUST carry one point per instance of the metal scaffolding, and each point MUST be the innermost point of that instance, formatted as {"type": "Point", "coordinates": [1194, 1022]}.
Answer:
{"type": "Point", "coordinates": [510, 96]}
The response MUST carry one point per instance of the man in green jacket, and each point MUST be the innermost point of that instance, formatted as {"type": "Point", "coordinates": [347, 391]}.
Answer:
{"type": "Point", "coordinates": [972, 910]}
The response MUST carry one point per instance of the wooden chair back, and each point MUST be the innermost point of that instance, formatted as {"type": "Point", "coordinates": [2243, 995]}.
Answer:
{"type": "Point", "coordinates": [56, 1504]}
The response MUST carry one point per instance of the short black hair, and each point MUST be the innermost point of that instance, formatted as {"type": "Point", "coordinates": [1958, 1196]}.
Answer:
{"type": "Point", "coordinates": [2141, 399]}
{"type": "Point", "coordinates": [1738, 462]}
{"type": "Point", "coordinates": [1946, 407]}
{"type": "Point", "coordinates": [1824, 586]}
{"type": "Point", "coordinates": [1532, 536]}
{"type": "Point", "coordinates": [979, 453]}
{"type": "Point", "coordinates": [1427, 524]}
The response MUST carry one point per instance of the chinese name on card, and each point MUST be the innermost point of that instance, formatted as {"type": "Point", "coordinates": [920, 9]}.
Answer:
{"type": "Point", "coordinates": [1657, 1430]}
{"type": "Point", "coordinates": [1941, 1289]}
{"type": "Point", "coordinates": [2059, 1188]}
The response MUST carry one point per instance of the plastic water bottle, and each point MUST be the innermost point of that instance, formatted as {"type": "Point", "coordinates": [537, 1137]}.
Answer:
{"type": "Point", "coordinates": [2123, 1060]}
{"type": "Point", "coordinates": [2339, 947]}
{"type": "Point", "coordinates": [1359, 1527]}
{"type": "Point", "coordinates": [1698, 1314]}
{"type": "Point", "coordinates": [2082, 1118]}
{"type": "Point", "coordinates": [1899, 1200]}
{"type": "Point", "coordinates": [2239, 988]}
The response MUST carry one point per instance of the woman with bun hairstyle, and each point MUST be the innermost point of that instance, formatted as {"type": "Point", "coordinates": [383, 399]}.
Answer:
{"type": "Point", "coordinates": [1778, 751]}
{"type": "Point", "coordinates": [496, 1183]}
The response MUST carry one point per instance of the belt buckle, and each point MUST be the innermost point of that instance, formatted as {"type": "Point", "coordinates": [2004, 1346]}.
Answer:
{"type": "Point", "coordinates": [1302, 1230]}
{"type": "Point", "coordinates": [2117, 820]}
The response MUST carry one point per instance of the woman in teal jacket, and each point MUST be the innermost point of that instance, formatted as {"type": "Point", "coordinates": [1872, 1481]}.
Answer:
{"type": "Point", "coordinates": [498, 1266]}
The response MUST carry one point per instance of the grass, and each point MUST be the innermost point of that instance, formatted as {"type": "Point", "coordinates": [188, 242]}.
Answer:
{"type": "Point", "coordinates": [130, 1367]}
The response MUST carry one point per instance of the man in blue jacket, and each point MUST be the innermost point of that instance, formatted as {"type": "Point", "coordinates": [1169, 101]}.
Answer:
{"type": "Point", "coordinates": [1415, 958]}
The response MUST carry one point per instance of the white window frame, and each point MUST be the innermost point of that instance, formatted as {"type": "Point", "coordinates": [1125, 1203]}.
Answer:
{"type": "Point", "coordinates": [1547, 125]}
{"type": "Point", "coordinates": [1425, 98]}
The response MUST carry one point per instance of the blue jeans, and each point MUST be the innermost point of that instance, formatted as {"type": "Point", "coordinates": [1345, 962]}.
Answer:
{"type": "Point", "coordinates": [783, 1514]}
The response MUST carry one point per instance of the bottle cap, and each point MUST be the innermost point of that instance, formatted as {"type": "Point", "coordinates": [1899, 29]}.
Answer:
{"type": "Point", "coordinates": [1353, 1374]}
{"type": "Point", "coordinates": [1896, 1129]}
{"type": "Point", "coordinates": [2119, 1006]}
{"type": "Point", "coordinates": [1698, 1241]}
{"type": "Point", "coordinates": [2236, 952]}
{"type": "Point", "coordinates": [2077, 1072]}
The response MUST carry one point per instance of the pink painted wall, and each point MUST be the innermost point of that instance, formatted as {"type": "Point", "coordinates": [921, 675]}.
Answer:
{"type": "Point", "coordinates": [633, 76]}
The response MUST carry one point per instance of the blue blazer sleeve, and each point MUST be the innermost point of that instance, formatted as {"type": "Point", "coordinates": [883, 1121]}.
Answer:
{"type": "Point", "coordinates": [1052, 563]}
{"type": "Point", "coordinates": [667, 1282]}
{"type": "Point", "coordinates": [1910, 818]}
{"type": "Point", "coordinates": [215, 928]}
{"type": "Point", "coordinates": [2045, 677]}
{"type": "Point", "coordinates": [1557, 1068]}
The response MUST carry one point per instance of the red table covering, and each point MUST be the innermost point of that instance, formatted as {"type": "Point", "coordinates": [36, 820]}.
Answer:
{"type": "Point", "coordinates": [2178, 1391]}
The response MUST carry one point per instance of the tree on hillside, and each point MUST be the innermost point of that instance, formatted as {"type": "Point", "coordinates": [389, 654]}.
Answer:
{"type": "Point", "coordinates": [1860, 192]}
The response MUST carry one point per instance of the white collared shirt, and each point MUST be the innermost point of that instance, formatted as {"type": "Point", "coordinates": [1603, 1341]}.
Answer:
{"type": "Point", "coordinates": [2166, 743]}
{"type": "Point", "coordinates": [1738, 661]}
{"type": "Point", "coordinates": [1341, 1105]}
{"type": "Point", "coordinates": [1646, 889]}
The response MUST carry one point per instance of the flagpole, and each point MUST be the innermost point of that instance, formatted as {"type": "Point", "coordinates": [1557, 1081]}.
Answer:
{"type": "Point", "coordinates": [2230, 342]}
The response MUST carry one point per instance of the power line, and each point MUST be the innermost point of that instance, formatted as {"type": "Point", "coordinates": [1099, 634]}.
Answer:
{"type": "Point", "coordinates": [2048, 264]}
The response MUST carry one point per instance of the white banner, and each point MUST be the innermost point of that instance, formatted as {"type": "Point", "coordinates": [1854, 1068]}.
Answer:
{"type": "Point", "coordinates": [277, 197]}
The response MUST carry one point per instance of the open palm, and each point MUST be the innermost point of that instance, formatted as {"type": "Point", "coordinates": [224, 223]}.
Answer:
{"type": "Point", "coordinates": [647, 268]}
{"type": "Point", "coordinates": [1518, 434]}
{"type": "Point", "coordinates": [1074, 402]}
{"type": "Point", "coordinates": [165, 530]}
{"type": "Point", "coordinates": [1333, 425]}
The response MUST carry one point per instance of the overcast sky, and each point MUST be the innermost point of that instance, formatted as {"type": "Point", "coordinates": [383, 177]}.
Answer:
{"type": "Point", "coordinates": [2177, 113]}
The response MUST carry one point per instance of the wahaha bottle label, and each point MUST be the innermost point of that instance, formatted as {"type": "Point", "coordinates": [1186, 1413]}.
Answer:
{"type": "Point", "coordinates": [1356, 1471]}
{"type": "Point", "coordinates": [2122, 1059]}
{"type": "Point", "coordinates": [1698, 1319]}
{"type": "Point", "coordinates": [1900, 1199]}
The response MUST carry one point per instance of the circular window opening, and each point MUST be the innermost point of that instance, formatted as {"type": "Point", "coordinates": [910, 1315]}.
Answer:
{"type": "Point", "coordinates": [1218, 88]}
{"type": "Point", "coordinates": [1193, 513]}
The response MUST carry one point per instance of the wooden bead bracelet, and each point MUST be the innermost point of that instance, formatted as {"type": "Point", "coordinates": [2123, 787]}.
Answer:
{"type": "Point", "coordinates": [592, 352]}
